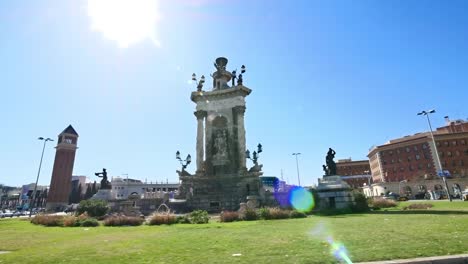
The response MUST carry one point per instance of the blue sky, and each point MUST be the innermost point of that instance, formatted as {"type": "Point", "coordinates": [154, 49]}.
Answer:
{"type": "Point", "coordinates": [340, 74]}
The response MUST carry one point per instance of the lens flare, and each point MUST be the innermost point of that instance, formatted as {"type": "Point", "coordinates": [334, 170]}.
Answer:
{"type": "Point", "coordinates": [301, 199]}
{"type": "Point", "coordinates": [338, 250]}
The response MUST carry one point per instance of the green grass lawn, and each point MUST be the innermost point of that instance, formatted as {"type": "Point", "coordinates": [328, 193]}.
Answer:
{"type": "Point", "coordinates": [379, 235]}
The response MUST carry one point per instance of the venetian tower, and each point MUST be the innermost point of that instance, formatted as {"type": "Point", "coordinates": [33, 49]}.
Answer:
{"type": "Point", "coordinates": [60, 183]}
{"type": "Point", "coordinates": [222, 180]}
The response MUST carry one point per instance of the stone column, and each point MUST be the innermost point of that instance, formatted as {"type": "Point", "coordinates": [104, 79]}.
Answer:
{"type": "Point", "coordinates": [240, 110]}
{"type": "Point", "coordinates": [200, 131]}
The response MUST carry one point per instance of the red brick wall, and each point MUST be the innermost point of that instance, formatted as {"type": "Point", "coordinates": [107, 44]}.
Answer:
{"type": "Point", "coordinates": [60, 185]}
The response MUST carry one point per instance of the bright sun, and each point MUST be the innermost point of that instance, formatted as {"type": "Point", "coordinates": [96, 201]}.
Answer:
{"type": "Point", "coordinates": [125, 21]}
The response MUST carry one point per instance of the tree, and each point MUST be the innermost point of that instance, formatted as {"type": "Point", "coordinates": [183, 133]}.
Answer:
{"type": "Point", "coordinates": [89, 192]}
{"type": "Point", "coordinates": [94, 208]}
{"type": "Point", "coordinates": [94, 188]}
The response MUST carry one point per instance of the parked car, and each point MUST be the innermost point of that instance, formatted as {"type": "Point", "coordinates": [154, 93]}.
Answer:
{"type": "Point", "coordinates": [7, 213]}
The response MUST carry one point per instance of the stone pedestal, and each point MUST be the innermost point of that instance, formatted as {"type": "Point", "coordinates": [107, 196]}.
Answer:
{"type": "Point", "coordinates": [102, 194]}
{"type": "Point", "coordinates": [334, 193]}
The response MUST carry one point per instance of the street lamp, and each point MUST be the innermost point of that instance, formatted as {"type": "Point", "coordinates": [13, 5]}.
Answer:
{"type": "Point", "coordinates": [199, 83]}
{"type": "Point", "coordinates": [441, 172]}
{"type": "Point", "coordinates": [297, 166]}
{"type": "Point", "coordinates": [184, 162]}
{"type": "Point", "coordinates": [38, 172]}
{"type": "Point", "coordinates": [255, 154]}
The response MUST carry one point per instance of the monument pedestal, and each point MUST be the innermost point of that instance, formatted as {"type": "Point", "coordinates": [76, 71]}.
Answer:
{"type": "Point", "coordinates": [102, 194]}
{"type": "Point", "coordinates": [334, 193]}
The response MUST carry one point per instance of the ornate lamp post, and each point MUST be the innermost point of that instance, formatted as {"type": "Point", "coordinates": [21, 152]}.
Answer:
{"type": "Point", "coordinates": [297, 166]}
{"type": "Point", "coordinates": [255, 154]}
{"type": "Point", "coordinates": [239, 79]}
{"type": "Point", "coordinates": [441, 171]}
{"type": "Point", "coordinates": [184, 162]}
{"type": "Point", "coordinates": [199, 83]}
{"type": "Point", "coordinates": [38, 173]}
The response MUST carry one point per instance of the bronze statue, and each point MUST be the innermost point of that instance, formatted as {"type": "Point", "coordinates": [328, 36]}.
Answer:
{"type": "Point", "coordinates": [105, 184]}
{"type": "Point", "coordinates": [331, 165]}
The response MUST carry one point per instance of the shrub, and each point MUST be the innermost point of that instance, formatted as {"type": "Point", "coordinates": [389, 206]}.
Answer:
{"type": "Point", "coordinates": [228, 216]}
{"type": "Point", "coordinates": [250, 215]}
{"type": "Point", "coordinates": [90, 222]}
{"type": "Point", "coordinates": [418, 206]}
{"type": "Point", "coordinates": [48, 220]}
{"type": "Point", "coordinates": [383, 203]}
{"type": "Point", "coordinates": [123, 221]}
{"type": "Point", "coordinates": [361, 204]}
{"type": "Point", "coordinates": [183, 219]}
{"type": "Point", "coordinates": [264, 213]}
{"type": "Point", "coordinates": [94, 208]}
{"type": "Point", "coordinates": [297, 214]}
{"type": "Point", "coordinates": [70, 221]}
{"type": "Point", "coordinates": [199, 217]}
{"type": "Point", "coordinates": [162, 219]}
{"type": "Point", "coordinates": [278, 213]}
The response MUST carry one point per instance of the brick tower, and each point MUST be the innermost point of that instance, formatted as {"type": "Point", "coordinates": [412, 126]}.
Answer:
{"type": "Point", "coordinates": [60, 183]}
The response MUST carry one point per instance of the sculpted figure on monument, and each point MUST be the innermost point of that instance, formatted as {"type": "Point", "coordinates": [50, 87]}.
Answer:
{"type": "Point", "coordinates": [220, 145]}
{"type": "Point", "coordinates": [331, 165]}
{"type": "Point", "coordinates": [105, 184]}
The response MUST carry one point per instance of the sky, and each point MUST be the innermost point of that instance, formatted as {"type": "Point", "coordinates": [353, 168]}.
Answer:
{"type": "Point", "coordinates": [341, 74]}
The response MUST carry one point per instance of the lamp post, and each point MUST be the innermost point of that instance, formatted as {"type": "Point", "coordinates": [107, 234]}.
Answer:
{"type": "Point", "coordinates": [297, 167]}
{"type": "Point", "coordinates": [199, 83]}
{"type": "Point", "coordinates": [439, 164]}
{"type": "Point", "coordinates": [38, 173]}
{"type": "Point", "coordinates": [255, 154]}
{"type": "Point", "coordinates": [184, 162]}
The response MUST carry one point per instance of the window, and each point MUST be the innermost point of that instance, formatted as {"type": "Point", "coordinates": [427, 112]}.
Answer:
{"type": "Point", "coordinates": [457, 153]}
{"type": "Point", "coordinates": [68, 140]}
{"type": "Point", "coordinates": [449, 153]}
{"type": "Point", "coordinates": [390, 152]}
{"type": "Point", "coordinates": [398, 151]}
{"type": "Point", "coordinates": [411, 167]}
{"type": "Point", "coordinates": [420, 166]}
{"type": "Point", "coordinates": [418, 157]}
{"type": "Point", "coordinates": [446, 143]}
{"type": "Point", "coordinates": [462, 163]}
{"type": "Point", "coordinates": [426, 156]}
{"type": "Point", "coordinates": [415, 148]}
{"type": "Point", "coordinates": [441, 154]}
{"type": "Point", "coordinates": [424, 146]}
{"type": "Point", "coordinates": [454, 143]}
{"type": "Point", "coordinates": [454, 163]}
{"type": "Point", "coordinates": [438, 144]}
{"type": "Point", "coordinates": [429, 165]}
{"type": "Point", "coordinates": [399, 160]}
{"type": "Point", "coordinates": [409, 159]}
{"type": "Point", "coordinates": [463, 142]}
{"type": "Point", "coordinates": [408, 149]}
{"type": "Point", "coordinates": [393, 161]}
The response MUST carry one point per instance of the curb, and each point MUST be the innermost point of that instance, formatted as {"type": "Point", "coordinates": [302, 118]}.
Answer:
{"type": "Point", "coordinates": [452, 259]}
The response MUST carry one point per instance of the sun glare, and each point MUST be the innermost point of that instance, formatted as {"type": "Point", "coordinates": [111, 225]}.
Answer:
{"type": "Point", "coordinates": [125, 21]}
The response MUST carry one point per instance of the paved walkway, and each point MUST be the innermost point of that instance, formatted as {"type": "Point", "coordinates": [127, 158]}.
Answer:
{"type": "Point", "coordinates": [453, 259]}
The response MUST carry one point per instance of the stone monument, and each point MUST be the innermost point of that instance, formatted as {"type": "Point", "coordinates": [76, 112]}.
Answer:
{"type": "Point", "coordinates": [222, 180]}
{"type": "Point", "coordinates": [333, 191]}
{"type": "Point", "coordinates": [104, 192]}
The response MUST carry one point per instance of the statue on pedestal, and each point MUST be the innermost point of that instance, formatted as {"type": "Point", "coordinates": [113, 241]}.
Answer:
{"type": "Point", "coordinates": [105, 184]}
{"type": "Point", "coordinates": [330, 169]}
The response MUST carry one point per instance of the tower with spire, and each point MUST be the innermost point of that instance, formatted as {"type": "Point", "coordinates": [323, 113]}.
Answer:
{"type": "Point", "coordinates": [60, 183]}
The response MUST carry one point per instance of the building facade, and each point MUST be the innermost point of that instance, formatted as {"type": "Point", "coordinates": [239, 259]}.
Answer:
{"type": "Point", "coordinates": [355, 173]}
{"type": "Point", "coordinates": [414, 157]}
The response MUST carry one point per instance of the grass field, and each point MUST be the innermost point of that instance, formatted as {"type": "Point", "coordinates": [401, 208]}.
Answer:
{"type": "Point", "coordinates": [380, 235]}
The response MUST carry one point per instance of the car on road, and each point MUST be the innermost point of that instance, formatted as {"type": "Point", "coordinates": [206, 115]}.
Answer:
{"type": "Point", "coordinates": [7, 213]}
